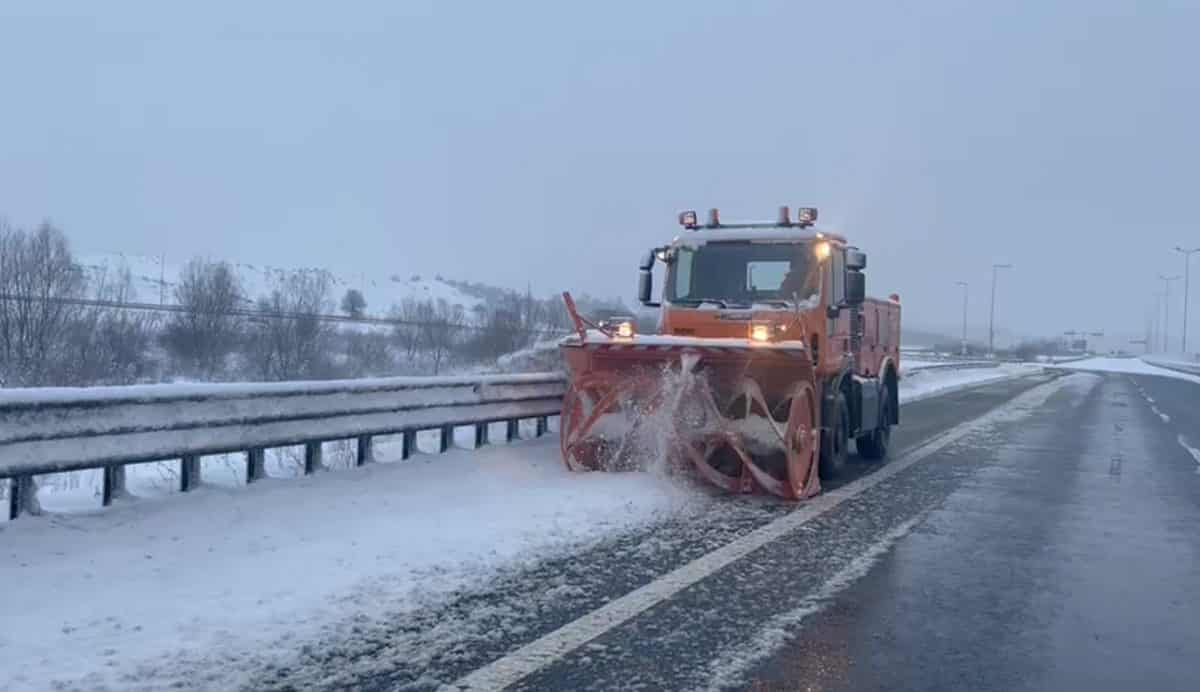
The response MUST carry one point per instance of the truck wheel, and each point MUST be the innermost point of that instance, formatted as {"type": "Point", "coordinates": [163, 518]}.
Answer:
{"type": "Point", "coordinates": [874, 445]}
{"type": "Point", "coordinates": [835, 441]}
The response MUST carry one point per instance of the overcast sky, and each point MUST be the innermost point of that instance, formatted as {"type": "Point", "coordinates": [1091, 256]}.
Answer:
{"type": "Point", "coordinates": [553, 142]}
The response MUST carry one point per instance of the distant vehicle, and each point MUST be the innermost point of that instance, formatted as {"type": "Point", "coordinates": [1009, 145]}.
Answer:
{"type": "Point", "coordinates": [769, 358]}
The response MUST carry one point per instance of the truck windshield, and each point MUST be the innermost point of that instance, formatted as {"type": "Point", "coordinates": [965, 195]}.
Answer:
{"type": "Point", "coordinates": [742, 274]}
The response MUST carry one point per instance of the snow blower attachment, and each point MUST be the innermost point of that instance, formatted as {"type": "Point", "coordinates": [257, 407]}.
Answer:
{"type": "Point", "coordinates": [760, 374]}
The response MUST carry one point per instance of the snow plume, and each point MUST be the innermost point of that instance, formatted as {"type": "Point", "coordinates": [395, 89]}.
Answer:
{"type": "Point", "coordinates": [642, 431]}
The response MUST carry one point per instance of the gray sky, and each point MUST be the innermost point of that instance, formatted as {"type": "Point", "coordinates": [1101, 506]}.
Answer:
{"type": "Point", "coordinates": [552, 142]}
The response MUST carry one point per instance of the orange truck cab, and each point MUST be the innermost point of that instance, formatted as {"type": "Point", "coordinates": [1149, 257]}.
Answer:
{"type": "Point", "coordinates": [789, 281]}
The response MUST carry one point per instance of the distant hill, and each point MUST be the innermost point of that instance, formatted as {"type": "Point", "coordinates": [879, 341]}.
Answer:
{"type": "Point", "coordinates": [153, 282]}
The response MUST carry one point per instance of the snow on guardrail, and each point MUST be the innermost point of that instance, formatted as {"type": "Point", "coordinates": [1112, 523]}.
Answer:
{"type": "Point", "coordinates": [52, 430]}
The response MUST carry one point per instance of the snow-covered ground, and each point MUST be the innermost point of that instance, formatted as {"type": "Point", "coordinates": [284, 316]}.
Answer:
{"type": "Point", "coordinates": [201, 590]}
{"type": "Point", "coordinates": [920, 383]}
{"type": "Point", "coordinates": [154, 280]}
{"type": "Point", "coordinates": [1132, 366]}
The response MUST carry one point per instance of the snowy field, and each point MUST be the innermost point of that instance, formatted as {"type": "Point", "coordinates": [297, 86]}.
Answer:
{"type": "Point", "coordinates": [203, 589]}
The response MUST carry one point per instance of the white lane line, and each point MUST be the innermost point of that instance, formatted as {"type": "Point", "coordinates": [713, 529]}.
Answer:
{"type": "Point", "coordinates": [1153, 407]}
{"type": "Point", "coordinates": [1191, 450]}
{"type": "Point", "coordinates": [553, 646]}
{"type": "Point", "coordinates": [728, 670]}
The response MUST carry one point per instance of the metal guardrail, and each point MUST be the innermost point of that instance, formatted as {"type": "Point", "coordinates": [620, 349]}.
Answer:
{"type": "Point", "coordinates": [62, 429]}
{"type": "Point", "coordinates": [53, 430]}
{"type": "Point", "coordinates": [947, 365]}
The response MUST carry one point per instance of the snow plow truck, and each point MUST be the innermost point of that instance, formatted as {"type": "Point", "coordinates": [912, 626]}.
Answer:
{"type": "Point", "coordinates": [767, 361]}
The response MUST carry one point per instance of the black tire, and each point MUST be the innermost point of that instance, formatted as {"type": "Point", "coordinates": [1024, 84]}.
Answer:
{"type": "Point", "coordinates": [835, 440]}
{"type": "Point", "coordinates": [874, 445]}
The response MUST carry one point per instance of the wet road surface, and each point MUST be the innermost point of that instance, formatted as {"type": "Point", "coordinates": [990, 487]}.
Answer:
{"type": "Point", "coordinates": [1070, 561]}
{"type": "Point", "coordinates": [1030, 534]}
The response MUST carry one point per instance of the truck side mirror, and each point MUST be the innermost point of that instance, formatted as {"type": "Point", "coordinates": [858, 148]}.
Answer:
{"type": "Point", "coordinates": [646, 280]}
{"type": "Point", "coordinates": [856, 288]}
{"type": "Point", "coordinates": [856, 260]}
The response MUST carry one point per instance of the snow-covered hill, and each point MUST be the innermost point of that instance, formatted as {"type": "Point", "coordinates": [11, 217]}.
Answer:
{"type": "Point", "coordinates": [155, 282]}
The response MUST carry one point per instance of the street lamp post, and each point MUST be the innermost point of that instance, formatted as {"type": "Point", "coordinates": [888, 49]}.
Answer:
{"type": "Point", "coordinates": [1167, 310]}
{"type": "Point", "coordinates": [992, 318]}
{"type": "Point", "coordinates": [965, 288]}
{"type": "Point", "coordinates": [1187, 273]}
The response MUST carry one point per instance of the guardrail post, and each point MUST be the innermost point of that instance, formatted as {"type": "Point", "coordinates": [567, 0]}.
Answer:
{"type": "Point", "coordinates": [256, 464]}
{"type": "Point", "coordinates": [481, 435]}
{"type": "Point", "coordinates": [113, 483]}
{"type": "Point", "coordinates": [14, 498]}
{"type": "Point", "coordinates": [189, 473]}
{"type": "Point", "coordinates": [366, 451]}
{"type": "Point", "coordinates": [312, 457]}
{"type": "Point", "coordinates": [447, 438]}
{"type": "Point", "coordinates": [408, 443]}
{"type": "Point", "coordinates": [542, 425]}
{"type": "Point", "coordinates": [512, 429]}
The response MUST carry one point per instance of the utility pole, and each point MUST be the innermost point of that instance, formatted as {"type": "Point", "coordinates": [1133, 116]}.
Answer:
{"type": "Point", "coordinates": [965, 288]}
{"type": "Point", "coordinates": [992, 319]}
{"type": "Point", "coordinates": [1167, 310]}
{"type": "Point", "coordinates": [1187, 288]}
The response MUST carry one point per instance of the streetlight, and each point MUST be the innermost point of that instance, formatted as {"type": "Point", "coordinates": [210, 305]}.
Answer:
{"type": "Point", "coordinates": [1167, 310]}
{"type": "Point", "coordinates": [965, 288]}
{"type": "Point", "coordinates": [1187, 262]}
{"type": "Point", "coordinates": [992, 319]}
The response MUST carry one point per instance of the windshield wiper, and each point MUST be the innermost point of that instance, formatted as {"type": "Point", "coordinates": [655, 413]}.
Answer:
{"type": "Point", "coordinates": [775, 301]}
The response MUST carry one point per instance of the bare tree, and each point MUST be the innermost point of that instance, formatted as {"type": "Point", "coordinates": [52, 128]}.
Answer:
{"type": "Point", "coordinates": [289, 340]}
{"type": "Point", "coordinates": [353, 303]}
{"type": "Point", "coordinates": [368, 354]}
{"type": "Point", "coordinates": [38, 282]}
{"type": "Point", "coordinates": [109, 345]}
{"type": "Point", "coordinates": [202, 336]}
{"type": "Point", "coordinates": [407, 331]}
{"type": "Point", "coordinates": [440, 325]}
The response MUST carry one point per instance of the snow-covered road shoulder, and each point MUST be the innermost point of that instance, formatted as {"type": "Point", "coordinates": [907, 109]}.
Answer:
{"type": "Point", "coordinates": [920, 383]}
{"type": "Point", "coordinates": [235, 577]}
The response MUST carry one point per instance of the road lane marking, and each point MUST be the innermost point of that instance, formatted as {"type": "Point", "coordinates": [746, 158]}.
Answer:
{"type": "Point", "coordinates": [1191, 450]}
{"type": "Point", "coordinates": [557, 644]}
{"type": "Point", "coordinates": [727, 671]}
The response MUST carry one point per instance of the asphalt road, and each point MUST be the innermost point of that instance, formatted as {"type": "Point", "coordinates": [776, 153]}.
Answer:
{"type": "Point", "coordinates": [1028, 534]}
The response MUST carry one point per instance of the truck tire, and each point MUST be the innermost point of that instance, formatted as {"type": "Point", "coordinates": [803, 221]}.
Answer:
{"type": "Point", "coordinates": [835, 441]}
{"type": "Point", "coordinates": [874, 445]}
